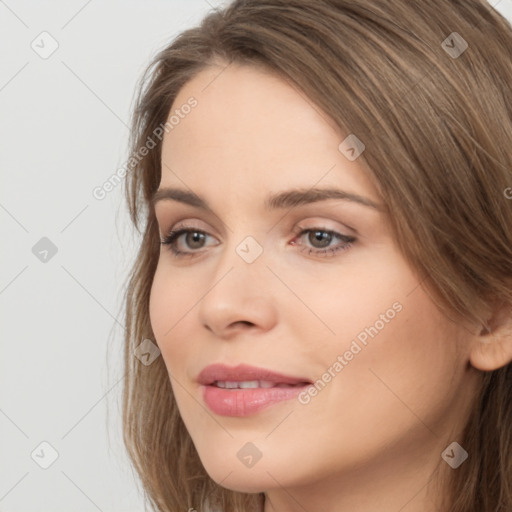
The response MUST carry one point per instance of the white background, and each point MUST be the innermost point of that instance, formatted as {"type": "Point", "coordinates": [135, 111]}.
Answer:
{"type": "Point", "coordinates": [63, 131]}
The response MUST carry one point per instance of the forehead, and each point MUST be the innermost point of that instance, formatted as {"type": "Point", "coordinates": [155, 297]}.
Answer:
{"type": "Point", "coordinates": [252, 129]}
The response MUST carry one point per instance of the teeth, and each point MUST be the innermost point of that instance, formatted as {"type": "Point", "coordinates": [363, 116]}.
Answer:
{"type": "Point", "coordinates": [249, 384]}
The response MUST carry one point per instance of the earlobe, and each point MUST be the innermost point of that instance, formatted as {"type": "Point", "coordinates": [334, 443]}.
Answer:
{"type": "Point", "coordinates": [492, 348]}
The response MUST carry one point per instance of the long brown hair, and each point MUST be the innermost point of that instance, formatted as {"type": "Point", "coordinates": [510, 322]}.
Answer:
{"type": "Point", "coordinates": [436, 118]}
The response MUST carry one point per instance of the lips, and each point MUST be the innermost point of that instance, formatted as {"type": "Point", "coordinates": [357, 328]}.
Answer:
{"type": "Point", "coordinates": [245, 390]}
{"type": "Point", "coordinates": [220, 373]}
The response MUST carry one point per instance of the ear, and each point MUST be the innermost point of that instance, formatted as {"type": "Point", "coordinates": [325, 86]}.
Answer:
{"type": "Point", "coordinates": [492, 348]}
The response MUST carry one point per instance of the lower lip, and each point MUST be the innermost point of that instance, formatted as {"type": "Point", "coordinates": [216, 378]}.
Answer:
{"type": "Point", "coordinates": [243, 402]}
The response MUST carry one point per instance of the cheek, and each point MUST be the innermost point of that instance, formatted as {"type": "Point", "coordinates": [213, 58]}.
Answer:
{"type": "Point", "coordinates": [399, 352]}
{"type": "Point", "coordinates": [158, 315]}
{"type": "Point", "coordinates": [359, 300]}
{"type": "Point", "coordinates": [169, 302]}
{"type": "Point", "coordinates": [401, 377]}
{"type": "Point", "coordinates": [396, 391]}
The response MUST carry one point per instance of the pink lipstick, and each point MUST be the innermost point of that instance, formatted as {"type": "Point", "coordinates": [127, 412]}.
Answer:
{"type": "Point", "coordinates": [243, 390]}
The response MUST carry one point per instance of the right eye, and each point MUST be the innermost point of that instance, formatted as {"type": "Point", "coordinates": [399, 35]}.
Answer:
{"type": "Point", "coordinates": [194, 239]}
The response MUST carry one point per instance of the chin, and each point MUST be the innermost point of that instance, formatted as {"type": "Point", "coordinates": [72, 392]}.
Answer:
{"type": "Point", "coordinates": [242, 480]}
{"type": "Point", "coordinates": [236, 477]}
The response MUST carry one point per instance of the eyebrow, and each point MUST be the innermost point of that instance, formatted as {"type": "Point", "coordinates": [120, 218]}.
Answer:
{"type": "Point", "coordinates": [281, 200]}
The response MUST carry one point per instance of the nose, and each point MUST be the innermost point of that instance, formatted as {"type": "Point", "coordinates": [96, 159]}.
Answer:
{"type": "Point", "coordinates": [239, 300]}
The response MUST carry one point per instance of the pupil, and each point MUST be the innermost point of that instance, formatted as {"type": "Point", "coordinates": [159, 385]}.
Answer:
{"type": "Point", "coordinates": [194, 238]}
{"type": "Point", "coordinates": [319, 236]}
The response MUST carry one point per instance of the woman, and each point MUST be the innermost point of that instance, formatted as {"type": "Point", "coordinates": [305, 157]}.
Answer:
{"type": "Point", "coordinates": [326, 266]}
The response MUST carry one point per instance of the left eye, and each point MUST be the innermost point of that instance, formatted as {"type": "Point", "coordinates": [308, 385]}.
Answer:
{"type": "Point", "coordinates": [320, 240]}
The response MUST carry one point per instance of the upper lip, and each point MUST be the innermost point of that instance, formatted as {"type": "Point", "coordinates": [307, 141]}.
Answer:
{"type": "Point", "coordinates": [243, 372]}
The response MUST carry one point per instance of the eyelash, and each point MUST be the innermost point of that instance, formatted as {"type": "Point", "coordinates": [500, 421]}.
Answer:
{"type": "Point", "coordinates": [172, 237]}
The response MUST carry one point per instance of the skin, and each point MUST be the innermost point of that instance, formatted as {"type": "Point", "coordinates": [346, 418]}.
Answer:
{"type": "Point", "coordinates": [372, 438]}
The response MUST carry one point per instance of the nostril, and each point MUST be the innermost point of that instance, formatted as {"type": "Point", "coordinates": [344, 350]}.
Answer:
{"type": "Point", "coordinates": [244, 322]}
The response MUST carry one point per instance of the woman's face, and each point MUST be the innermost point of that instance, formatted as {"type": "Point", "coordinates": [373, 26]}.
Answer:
{"type": "Point", "coordinates": [311, 288]}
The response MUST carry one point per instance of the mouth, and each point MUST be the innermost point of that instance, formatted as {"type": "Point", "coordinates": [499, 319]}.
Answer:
{"type": "Point", "coordinates": [245, 390]}
{"type": "Point", "coordinates": [252, 384]}
{"type": "Point", "coordinates": [246, 376]}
